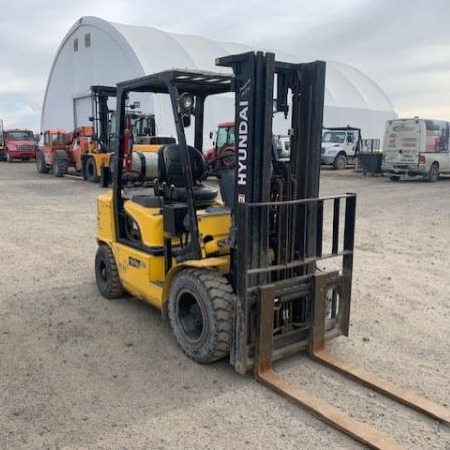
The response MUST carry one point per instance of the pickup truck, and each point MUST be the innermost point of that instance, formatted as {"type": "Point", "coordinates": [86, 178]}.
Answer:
{"type": "Point", "coordinates": [340, 146]}
{"type": "Point", "coordinates": [416, 147]}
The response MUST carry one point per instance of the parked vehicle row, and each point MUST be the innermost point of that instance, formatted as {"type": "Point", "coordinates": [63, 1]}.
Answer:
{"type": "Point", "coordinates": [411, 147]}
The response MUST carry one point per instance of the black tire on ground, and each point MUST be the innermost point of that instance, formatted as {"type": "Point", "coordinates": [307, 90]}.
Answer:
{"type": "Point", "coordinates": [433, 173]}
{"type": "Point", "coordinates": [91, 171]}
{"type": "Point", "coordinates": [59, 165]}
{"type": "Point", "coordinates": [340, 162]}
{"type": "Point", "coordinates": [394, 177]}
{"type": "Point", "coordinates": [40, 163]}
{"type": "Point", "coordinates": [200, 309]}
{"type": "Point", "coordinates": [106, 273]}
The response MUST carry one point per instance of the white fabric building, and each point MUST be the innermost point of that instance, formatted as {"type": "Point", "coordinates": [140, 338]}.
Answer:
{"type": "Point", "coordinates": [95, 51]}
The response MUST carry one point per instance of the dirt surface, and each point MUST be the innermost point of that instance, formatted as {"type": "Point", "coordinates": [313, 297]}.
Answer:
{"type": "Point", "coordinates": [78, 371]}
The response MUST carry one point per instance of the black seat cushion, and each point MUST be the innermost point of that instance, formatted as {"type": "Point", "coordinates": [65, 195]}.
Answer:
{"type": "Point", "coordinates": [170, 169]}
{"type": "Point", "coordinates": [203, 195]}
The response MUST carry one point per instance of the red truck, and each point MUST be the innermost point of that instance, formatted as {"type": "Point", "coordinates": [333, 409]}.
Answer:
{"type": "Point", "coordinates": [19, 144]}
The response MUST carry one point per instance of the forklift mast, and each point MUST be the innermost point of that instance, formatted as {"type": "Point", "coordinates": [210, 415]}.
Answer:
{"type": "Point", "coordinates": [100, 112]}
{"type": "Point", "coordinates": [277, 218]}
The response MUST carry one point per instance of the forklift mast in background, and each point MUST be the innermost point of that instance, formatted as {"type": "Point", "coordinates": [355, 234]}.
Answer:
{"type": "Point", "coordinates": [100, 111]}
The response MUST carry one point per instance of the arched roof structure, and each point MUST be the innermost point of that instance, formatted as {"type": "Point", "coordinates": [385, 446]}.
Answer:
{"type": "Point", "coordinates": [95, 51]}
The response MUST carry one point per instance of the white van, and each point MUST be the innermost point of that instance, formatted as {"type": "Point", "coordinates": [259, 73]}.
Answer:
{"type": "Point", "coordinates": [416, 147]}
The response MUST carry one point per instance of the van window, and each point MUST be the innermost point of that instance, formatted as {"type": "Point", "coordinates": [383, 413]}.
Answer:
{"type": "Point", "coordinates": [437, 135]}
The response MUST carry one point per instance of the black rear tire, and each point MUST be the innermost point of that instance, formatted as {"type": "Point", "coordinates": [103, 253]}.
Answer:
{"type": "Point", "coordinates": [200, 309]}
{"type": "Point", "coordinates": [433, 173]}
{"type": "Point", "coordinates": [40, 163]}
{"type": "Point", "coordinates": [59, 165]}
{"type": "Point", "coordinates": [394, 177]}
{"type": "Point", "coordinates": [340, 162]}
{"type": "Point", "coordinates": [106, 273]}
{"type": "Point", "coordinates": [91, 171]}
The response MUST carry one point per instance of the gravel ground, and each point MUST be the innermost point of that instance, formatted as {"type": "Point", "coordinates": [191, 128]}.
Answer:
{"type": "Point", "coordinates": [77, 371]}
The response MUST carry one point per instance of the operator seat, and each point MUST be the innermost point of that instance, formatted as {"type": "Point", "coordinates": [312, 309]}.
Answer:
{"type": "Point", "coordinates": [171, 179]}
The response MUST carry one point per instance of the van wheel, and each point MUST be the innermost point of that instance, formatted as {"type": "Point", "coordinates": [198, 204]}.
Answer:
{"type": "Point", "coordinates": [433, 174]}
{"type": "Point", "coordinates": [340, 162]}
{"type": "Point", "coordinates": [200, 309]}
{"type": "Point", "coordinates": [106, 273]}
{"type": "Point", "coordinates": [394, 178]}
{"type": "Point", "coordinates": [91, 171]}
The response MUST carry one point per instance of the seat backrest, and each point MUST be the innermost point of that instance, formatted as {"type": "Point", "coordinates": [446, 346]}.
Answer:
{"type": "Point", "coordinates": [170, 168]}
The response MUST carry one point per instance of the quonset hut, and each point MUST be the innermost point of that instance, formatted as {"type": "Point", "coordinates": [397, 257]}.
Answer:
{"type": "Point", "coordinates": [95, 51]}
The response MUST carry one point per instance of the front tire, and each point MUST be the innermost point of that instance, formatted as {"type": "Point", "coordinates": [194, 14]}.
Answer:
{"type": "Point", "coordinates": [340, 162]}
{"type": "Point", "coordinates": [107, 274]}
{"type": "Point", "coordinates": [59, 165]}
{"type": "Point", "coordinates": [40, 163]}
{"type": "Point", "coordinates": [200, 309]}
{"type": "Point", "coordinates": [394, 178]}
{"type": "Point", "coordinates": [91, 171]}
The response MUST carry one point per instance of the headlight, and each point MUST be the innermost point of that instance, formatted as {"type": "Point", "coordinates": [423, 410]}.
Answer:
{"type": "Point", "coordinates": [186, 103]}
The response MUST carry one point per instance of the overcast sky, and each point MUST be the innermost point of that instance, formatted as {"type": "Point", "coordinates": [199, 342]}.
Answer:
{"type": "Point", "coordinates": [403, 45]}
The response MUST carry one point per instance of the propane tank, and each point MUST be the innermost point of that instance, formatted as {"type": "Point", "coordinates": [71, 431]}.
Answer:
{"type": "Point", "coordinates": [143, 166]}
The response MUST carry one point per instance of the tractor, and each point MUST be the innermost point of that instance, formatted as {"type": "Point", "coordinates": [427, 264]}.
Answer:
{"type": "Point", "coordinates": [62, 150]}
{"type": "Point", "coordinates": [52, 155]}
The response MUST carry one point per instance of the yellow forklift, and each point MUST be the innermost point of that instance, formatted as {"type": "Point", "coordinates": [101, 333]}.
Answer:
{"type": "Point", "coordinates": [243, 276]}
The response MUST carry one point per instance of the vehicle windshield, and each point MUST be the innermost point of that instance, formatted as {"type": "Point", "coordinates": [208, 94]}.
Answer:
{"type": "Point", "coordinates": [143, 126]}
{"type": "Point", "coordinates": [337, 137]}
{"type": "Point", "coordinates": [58, 138]}
{"type": "Point", "coordinates": [225, 137]}
{"type": "Point", "coordinates": [19, 135]}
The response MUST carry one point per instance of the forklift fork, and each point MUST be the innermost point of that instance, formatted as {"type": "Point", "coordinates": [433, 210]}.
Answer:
{"type": "Point", "coordinates": [264, 373]}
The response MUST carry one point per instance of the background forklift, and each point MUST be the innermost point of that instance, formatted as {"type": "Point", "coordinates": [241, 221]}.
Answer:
{"type": "Point", "coordinates": [245, 278]}
{"type": "Point", "coordinates": [103, 118]}
{"type": "Point", "coordinates": [142, 126]}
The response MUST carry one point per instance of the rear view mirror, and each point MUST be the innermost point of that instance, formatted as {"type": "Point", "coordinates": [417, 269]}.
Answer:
{"type": "Point", "coordinates": [186, 119]}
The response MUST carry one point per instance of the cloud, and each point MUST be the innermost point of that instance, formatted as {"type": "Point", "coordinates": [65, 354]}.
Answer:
{"type": "Point", "coordinates": [401, 45]}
